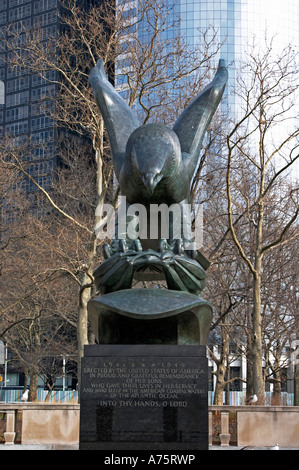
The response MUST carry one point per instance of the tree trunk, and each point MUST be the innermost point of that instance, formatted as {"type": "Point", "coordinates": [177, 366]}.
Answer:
{"type": "Point", "coordinates": [257, 365]}
{"type": "Point", "coordinates": [249, 370]}
{"type": "Point", "coordinates": [82, 324]}
{"type": "Point", "coordinates": [33, 386]}
{"type": "Point", "coordinates": [220, 384]}
{"type": "Point", "coordinates": [227, 384]}
{"type": "Point", "coordinates": [257, 349]}
{"type": "Point", "coordinates": [25, 380]}
{"type": "Point", "coordinates": [221, 369]}
{"type": "Point", "coordinates": [50, 389]}
{"type": "Point", "coordinates": [86, 285]}
{"type": "Point", "coordinates": [276, 397]}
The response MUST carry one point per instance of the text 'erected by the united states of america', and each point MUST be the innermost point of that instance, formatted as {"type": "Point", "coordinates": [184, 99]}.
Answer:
{"type": "Point", "coordinates": [145, 383]}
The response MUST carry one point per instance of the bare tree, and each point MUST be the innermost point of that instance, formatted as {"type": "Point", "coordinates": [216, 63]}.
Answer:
{"type": "Point", "coordinates": [45, 255]}
{"type": "Point", "coordinates": [279, 315]}
{"type": "Point", "coordinates": [155, 70]}
{"type": "Point", "coordinates": [260, 142]}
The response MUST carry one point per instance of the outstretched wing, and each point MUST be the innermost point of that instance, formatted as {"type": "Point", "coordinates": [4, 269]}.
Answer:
{"type": "Point", "coordinates": [194, 120]}
{"type": "Point", "coordinates": [118, 117]}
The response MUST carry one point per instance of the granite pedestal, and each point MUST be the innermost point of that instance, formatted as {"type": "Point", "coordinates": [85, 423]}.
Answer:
{"type": "Point", "coordinates": [144, 397]}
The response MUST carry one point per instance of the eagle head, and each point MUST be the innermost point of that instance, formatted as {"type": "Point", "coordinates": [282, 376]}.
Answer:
{"type": "Point", "coordinates": [153, 152]}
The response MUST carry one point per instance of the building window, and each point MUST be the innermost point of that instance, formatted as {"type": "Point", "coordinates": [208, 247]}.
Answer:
{"type": "Point", "coordinates": [22, 25]}
{"type": "Point", "coordinates": [43, 137]}
{"type": "Point", "coordinates": [46, 18]}
{"type": "Point", "coordinates": [19, 13]}
{"type": "Point", "coordinates": [43, 92]}
{"type": "Point", "coordinates": [37, 80]}
{"type": "Point", "coordinates": [16, 113]}
{"type": "Point", "coordinates": [15, 71]}
{"type": "Point", "coordinates": [3, 4]}
{"type": "Point", "coordinates": [14, 3]}
{"type": "Point", "coordinates": [18, 84]}
{"type": "Point", "coordinates": [43, 152]}
{"type": "Point", "coordinates": [43, 5]}
{"type": "Point", "coordinates": [41, 123]}
{"type": "Point", "coordinates": [17, 128]}
{"type": "Point", "coordinates": [3, 17]}
{"type": "Point", "coordinates": [17, 99]}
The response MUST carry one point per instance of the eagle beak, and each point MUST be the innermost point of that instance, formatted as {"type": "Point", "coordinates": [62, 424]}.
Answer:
{"type": "Point", "coordinates": [150, 182]}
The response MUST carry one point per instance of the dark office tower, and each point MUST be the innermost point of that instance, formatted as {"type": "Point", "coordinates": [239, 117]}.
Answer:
{"type": "Point", "coordinates": [26, 98]}
{"type": "Point", "coordinates": [23, 116]}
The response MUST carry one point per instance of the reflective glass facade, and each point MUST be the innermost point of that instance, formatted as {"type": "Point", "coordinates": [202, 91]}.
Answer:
{"type": "Point", "coordinates": [21, 113]}
{"type": "Point", "coordinates": [236, 22]}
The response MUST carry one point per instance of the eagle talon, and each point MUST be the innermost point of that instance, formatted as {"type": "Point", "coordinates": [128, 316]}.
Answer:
{"type": "Point", "coordinates": [177, 246]}
{"type": "Point", "coordinates": [137, 245]}
{"type": "Point", "coordinates": [163, 245]}
{"type": "Point", "coordinates": [180, 271]}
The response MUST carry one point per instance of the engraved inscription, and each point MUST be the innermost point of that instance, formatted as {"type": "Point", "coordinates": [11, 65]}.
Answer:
{"type": "Point", "coordinates": [130, 383]}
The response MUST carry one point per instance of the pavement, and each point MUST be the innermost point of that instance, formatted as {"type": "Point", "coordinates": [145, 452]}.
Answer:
{"type": "Point", "coordinates": [38, 447]}
{"type": "Point", "coordinates": [76, 447]}
{"type": "Point", "coordinates": [248, 448]}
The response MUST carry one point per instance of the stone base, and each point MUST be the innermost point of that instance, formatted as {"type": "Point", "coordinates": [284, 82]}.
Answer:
{"type": "Point", "coordinates": [9, 438]}
{"type": "Point", "coordinates": [224, 439]}
{"type": "Point", "coordinates": [144, 397]}
{"type": "Point", "coordinates": [50, 424]}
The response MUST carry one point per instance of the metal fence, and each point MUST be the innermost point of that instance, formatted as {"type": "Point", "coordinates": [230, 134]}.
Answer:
{"type": "Point", "coordinates": [57, 396]}
{"type": "Point", "coordinates": [238, 398]}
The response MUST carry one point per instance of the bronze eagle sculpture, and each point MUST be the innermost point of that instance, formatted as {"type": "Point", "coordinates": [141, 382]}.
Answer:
{"type": "Point", "coordinates": [153, 163]}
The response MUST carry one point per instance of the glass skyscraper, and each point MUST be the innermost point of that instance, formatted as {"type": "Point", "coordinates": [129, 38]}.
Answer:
{"type": "Point", "coordinates": [237, 20]}
{"type": "Point", "coordinates": [236, 23]}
